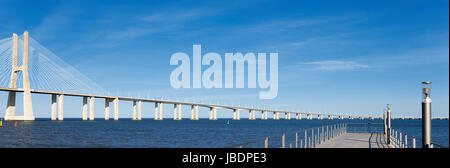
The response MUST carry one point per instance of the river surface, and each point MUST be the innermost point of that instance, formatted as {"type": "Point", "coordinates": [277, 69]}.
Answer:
{"type": "Point", "coordinates": [125, 133]}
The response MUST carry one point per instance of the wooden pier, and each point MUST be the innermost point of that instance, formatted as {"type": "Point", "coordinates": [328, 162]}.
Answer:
{"type": "Point", "coordinates": [357, 140]}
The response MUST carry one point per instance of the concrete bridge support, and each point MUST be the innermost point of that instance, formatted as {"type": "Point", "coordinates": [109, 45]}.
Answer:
{"type": "Point", "coordinates": [211, 113]}
{"type": "Point", "coordinates": [179, 111]}
{"type": "Point", "coordinates": [253, 114]}
{"type": "Point", "coordinates": [278, 115]}
{"type": "Point", "coordinates": [289, 116]}
{"type": "Point", "coordinates": [175, 108]}
{"type": "Point", "coordinates": [156, 111]}
{"type": "Point", "coordinates": [61, 107]}
{"type": "Point", "coordinates": [53, 107]}
{"type": "Point", "coordinates": [192, 112]}
{"type": "Point", "coordinates": [196, 112]}
{"type": "Point", "coordinates": [27, 104]}
{"type": "Point", "coordinates": [91, 108]}
{"type": "Point", "coordinates": [116, 108]}
{"type": "Point", "coordinates": [139, 110]}
{"type": "Point", "coordinates": [134, 110]}
{"type": "Point", "coordinates": [161, 111]}
{"type": "Point", "coordinates": [107, 101]}
{"type": "Point", "coordinates": [215, 113]}
{"type": "Point", "coordinates": [85, 108]}
{"type": "Point", "coordinates": [236, 115]}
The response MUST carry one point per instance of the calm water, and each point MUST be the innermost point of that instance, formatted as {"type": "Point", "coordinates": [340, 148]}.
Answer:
{"type": "Point", "coordinates": [186, 133]}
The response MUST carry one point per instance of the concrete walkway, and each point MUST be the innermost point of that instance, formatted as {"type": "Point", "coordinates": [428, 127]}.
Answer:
{"type": "Point", "coordinates": [356, 140]}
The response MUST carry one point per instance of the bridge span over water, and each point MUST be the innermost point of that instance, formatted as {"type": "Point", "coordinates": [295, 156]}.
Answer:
{"type": "Point", "coordinates": [57, 97]}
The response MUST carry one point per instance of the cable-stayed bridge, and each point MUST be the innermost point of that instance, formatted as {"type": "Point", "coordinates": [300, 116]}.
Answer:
{"type": "Point", "coordinates": [42, 72]}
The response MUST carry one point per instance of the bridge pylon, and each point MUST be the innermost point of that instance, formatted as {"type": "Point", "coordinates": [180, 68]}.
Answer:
{"type": "Point", "coordinates": [27, 105]}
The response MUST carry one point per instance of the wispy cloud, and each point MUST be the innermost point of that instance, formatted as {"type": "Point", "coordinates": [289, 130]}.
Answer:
{"type": "Point", "coordinates": [129, 33]}
{"type": "Point", "coordinates": [175, 16]}
{"type": "Point", "coordinates": [56, 22]}
{"type": "Point", "coordinates": [329, 65]}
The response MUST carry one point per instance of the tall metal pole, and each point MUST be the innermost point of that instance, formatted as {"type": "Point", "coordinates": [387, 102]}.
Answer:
{"type": "Point", "coordinates": [426, 116]}
{"type": "Point", "coordinates": [384, 121]}
{"type": "Point", "coordinates": [388, 124]}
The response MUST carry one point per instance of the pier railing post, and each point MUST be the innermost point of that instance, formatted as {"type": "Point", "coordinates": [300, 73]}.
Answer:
{"type": "Point", "coordinates": [406, 141]}
{"type": "Point", "coordinates": [266, 142]}
{"type": "Point", "coordinates": [400, 140]}
{"type": "Point", "coordinates": [296, 139]}
{"type": "Point", "coordinates": [306, 140]}
{"type": "Point", "coordinates": [414, 142]}
{"type": "Point", "coordinates": [283, 140]}
{"type": "Point", "coordinates": [388, 124]}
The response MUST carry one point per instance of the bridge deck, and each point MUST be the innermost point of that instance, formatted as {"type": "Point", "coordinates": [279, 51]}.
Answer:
{"type": "Point", "coordinates": [357, 140]}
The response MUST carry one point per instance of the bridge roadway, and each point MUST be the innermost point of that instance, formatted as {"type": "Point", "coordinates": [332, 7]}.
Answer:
{"type": "Point", "coordinates": [356, 140]}
{"type": "Point", "coordinates": [287, 113]}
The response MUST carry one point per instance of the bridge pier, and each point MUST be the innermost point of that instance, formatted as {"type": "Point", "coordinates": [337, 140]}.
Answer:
{"type": "Point", "coordinates": [215, 113]}
{"type": "Point", "coordinates": [196, 112]}
{"type": "Point", "coordinates": [116, 108]}
{"type": "Point", "coordinates": [53, 118]}
{"type": "Point", "coordinates": [278, 115]}
{"type": "Point", "coordinates": [179, 111]}
{"type": "Point", "coordinates": [161, 111]}
{"type": "Point", "coordinates": [175, 111]}
{"type": "Point", "coordinates": [84, 113]}
{"type": "Point", "coordinates": [254, 114]}
{"type": "Point", "coordinates": [139, 110]}
{"type": "Point", "coordinates": [236, 115]}
{"type": "Point", "coordinates": [27, 104]}
{"type": "Point", "coordinates": [210, 113]}
{"type": "Point", "coordinates": [251, 115]}
{"type": "Point", "coordinates": [61, 107]}
{"type": "Point", "coordinates": [289, 116]}
{"type": "Point", "coordinates": [91, 108]}
{"type": "Point", "coordinates": [192, 112]}
{"type": "Point", "coordinates": [156, 111]}
{"type": "Point", "coordinates": [107, 109]}
{"type": "Point", "coordinates": [134, 110]}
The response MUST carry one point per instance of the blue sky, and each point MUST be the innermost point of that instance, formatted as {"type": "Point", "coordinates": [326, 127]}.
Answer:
{"type": "Point", "coordinates": [334, 56]}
